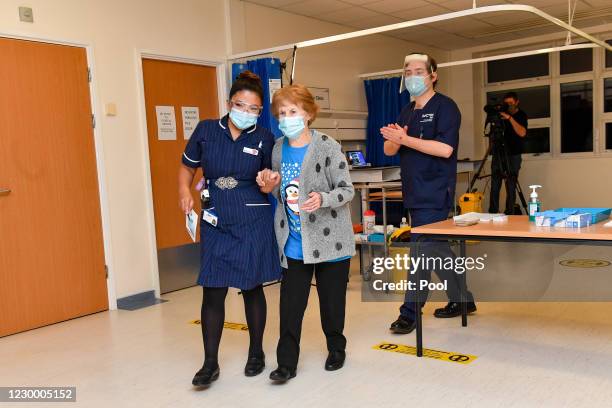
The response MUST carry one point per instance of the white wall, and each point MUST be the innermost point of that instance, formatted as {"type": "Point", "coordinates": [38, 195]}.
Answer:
{"type": "Point", "coordinates": [334, 66]}
{"type": "Point", "coordinates": [116, 29]}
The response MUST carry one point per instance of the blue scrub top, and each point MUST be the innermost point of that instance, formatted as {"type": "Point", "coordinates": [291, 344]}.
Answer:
{"type": "Point", "coordinates": [429, 181]}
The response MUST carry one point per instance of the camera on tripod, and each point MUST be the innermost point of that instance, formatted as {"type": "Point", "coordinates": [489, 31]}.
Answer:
{"type": "Point", "coordinates": [494, 130]}
{"type": "Point", "coordinates": [497, 108]}
{"type": "Point", "coordinates": [494, 125]}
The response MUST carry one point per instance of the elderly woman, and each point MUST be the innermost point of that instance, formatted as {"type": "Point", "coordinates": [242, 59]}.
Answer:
{"type": "Point", "coordinates": [311, 181]}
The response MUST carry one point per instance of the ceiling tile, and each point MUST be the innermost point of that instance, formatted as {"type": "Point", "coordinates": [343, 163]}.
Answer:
{"type": "Point", "coordinates": [461, 25]}
{"type": "Point", "coordinates": [358, 2]}
{"type": "Point", "coordinates": [560, 10]}
{"type": "Point", "coordinates": [598, 3]}
{"type": "Point", "coordinates": [272, 3]}
{"type": "Point", "coordinates": [347, 15]}
{"type": "Point", "coordinates": [503, 18]}
{"type": "Point", "coordinates": [391, 6]}
{"type": "Point", "coordinates": [499, 38]}
{"type": "Point", "coordinates": [457, 5]}
{"type": "Point", "coordinates": [377, 21]}
{"type": "Point", "coordinates": [421, 12]}
{"type": "Point", "coordinates": [424, 40]}
{"type": "Point", "coordinates": [543, 3]}
{"type": "Point", "coordinates": [316, 7]}
{"type": "Point", "coordinates": [434, 38]}
{"type": "Point", "coordinates": [450, 41]}
{"type": "Point", "coordinates": [416, 34]}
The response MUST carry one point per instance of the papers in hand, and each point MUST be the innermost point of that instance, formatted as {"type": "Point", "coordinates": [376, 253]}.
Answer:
{"type": "Point", "coordinates": [191, 222]}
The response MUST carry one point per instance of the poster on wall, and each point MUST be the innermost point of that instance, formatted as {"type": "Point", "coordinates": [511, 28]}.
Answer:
{"type": "Point", "coordinates": [274, 85]}
{"type": "Point", "coordinates": [321, 96]}
{"type": "Point", "coordinates": [166, 123]}
{"type": "Point", "coordinates": [191, 118]}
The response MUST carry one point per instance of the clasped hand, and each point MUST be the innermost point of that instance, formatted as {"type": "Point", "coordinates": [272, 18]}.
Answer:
{"type": "Point", "coordinates": [394, 133]}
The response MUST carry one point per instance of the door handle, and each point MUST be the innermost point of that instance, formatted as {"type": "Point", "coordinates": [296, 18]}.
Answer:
{"type": "Point", "coordinates": [5, 191]}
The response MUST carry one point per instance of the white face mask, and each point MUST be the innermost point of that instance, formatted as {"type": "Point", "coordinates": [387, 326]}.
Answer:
{"type": "Point", "coordinates": [292, 126]}
{"type": "Point", "coordinates": [415, 85]}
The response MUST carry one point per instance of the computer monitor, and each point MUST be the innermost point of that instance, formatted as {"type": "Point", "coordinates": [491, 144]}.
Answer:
{"type": "Point", "coordinates": [355, 158]}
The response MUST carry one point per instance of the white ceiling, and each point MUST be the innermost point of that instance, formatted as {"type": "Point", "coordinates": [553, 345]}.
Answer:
{"type": "Point", "coordinates": [452, 34]}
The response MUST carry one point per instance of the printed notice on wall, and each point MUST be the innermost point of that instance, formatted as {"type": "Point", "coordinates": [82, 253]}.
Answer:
{"type": "Point", "coordinates": [166, 123]}
{"type": "Point", "coordinates": [274, 85]}
{"type": "Point", "coordinates": [191, 117]}
{"type": "Point", "coordinates": [321, 96]}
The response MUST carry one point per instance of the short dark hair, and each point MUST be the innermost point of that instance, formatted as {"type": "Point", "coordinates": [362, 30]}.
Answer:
{"type": "Point", "coordinates": [512, 95]}
{"type": "Point", "coordinates": [247, 81]}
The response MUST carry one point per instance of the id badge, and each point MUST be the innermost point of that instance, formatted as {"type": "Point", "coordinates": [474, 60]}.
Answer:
{"type": "Point", "coordinates": [205, 198]}
{"type": "Point", "coordinates": [248, 150]}
{"type": "Point", "coordinates": [210, 217]}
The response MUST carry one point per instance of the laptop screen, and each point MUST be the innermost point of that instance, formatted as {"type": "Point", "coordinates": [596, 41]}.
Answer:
{"type": "Point", "coordinates": [355, 158]}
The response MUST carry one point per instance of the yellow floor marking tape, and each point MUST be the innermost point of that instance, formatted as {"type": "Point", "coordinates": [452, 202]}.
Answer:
{"type": "Point", "coordinates": [585, 263]}
{"type": "Point", "coordinates": [228, 325]}
{"type": "Point", "coordinates": [436, 354]}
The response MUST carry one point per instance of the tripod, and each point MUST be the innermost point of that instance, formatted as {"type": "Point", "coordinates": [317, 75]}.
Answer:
{"type": "Point", "coordinates": [497, 148]}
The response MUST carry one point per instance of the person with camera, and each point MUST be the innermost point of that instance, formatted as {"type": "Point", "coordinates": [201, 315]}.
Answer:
{"type": "Point", "coordinates": [506, 161]}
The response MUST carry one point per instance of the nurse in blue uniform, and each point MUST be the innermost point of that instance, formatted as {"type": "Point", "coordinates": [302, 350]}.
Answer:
{"type": "Point", "coordinates": [426, 136]}
{"type": "Point", "coordinates": [237, 241]}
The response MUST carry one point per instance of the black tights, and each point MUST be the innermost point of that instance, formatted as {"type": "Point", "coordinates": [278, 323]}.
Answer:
{"type": "Point", "coordinates": [213, 317]}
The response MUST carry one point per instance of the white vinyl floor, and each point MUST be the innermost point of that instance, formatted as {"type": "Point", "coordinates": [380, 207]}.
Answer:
{"type": "Point", "coordinates": [528, 355]}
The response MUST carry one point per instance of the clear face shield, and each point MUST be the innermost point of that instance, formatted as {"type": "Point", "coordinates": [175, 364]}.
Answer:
{"type": "Point", "coordinates": [407, 60]}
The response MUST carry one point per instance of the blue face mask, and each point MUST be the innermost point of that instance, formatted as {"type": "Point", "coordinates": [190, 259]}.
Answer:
{"type": "Point", "coordinates": [292, 126]}
{"type": "Point", "coordinates": [415, 85]}
{"type": "Point", "coordinates": [242, 120]}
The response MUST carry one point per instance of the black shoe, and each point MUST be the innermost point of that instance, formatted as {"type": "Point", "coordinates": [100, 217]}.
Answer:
{"type": "Point", "coordinates": [335, 360]}
{"type": "Point", "coordinates": [205, 376]}
{"type": "Point", "coordinates": [453, 309]}
{"type": "Point", "coordinates": [403, 325]}
{"type": "Point", "coordinates": [254, 366]}
{"type": "Point", "coordinates": [282, 374]}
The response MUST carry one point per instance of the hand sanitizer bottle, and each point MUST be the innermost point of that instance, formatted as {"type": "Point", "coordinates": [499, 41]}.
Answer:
{"type": "Point", "coordinates": [403, 223]}
{"type": "Point", "coordinates": [534, 204]}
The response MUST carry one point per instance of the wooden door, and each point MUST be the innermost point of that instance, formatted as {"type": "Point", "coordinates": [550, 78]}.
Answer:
{"type": "Point", "coordinates": [51, 244]}
{"type": "Point", "coordinates": [176, 84]}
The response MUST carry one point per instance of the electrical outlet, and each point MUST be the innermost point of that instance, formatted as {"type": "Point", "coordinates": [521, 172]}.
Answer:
{"type": "Point", "coordinates": [26, 14]}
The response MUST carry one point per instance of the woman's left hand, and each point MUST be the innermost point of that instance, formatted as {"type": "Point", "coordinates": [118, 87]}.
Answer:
{"type": "Point", "coordinates": [313, 203]}
{"type": "Point", "coordinates": [394, 133]}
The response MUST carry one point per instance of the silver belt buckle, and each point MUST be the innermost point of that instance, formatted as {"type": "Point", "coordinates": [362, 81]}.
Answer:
{"type": "Point", "coordinates": [226, 183]}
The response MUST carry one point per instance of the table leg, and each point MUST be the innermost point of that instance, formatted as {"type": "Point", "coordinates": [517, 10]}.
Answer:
{"type": "Point", "coordinates": [419, 318]}
{"type": "Point", "coordinates": [463, 288]}
{"type": "Point", "coordinates": [385, 247]}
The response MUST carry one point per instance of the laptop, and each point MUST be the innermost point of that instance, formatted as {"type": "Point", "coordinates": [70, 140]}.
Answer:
{"type": "Point", "coordinates": [356, 159]}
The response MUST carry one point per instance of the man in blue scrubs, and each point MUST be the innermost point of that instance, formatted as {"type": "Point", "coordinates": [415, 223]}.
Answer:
{"type": "Point", "coordinates": [426, 136]}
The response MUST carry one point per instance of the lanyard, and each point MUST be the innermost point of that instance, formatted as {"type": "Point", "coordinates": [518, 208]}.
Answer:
{"type": "Point", "coordinates": [420, 123]}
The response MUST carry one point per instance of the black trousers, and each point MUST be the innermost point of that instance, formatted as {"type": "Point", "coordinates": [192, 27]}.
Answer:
{"type": "Point", "coordinates": [295, 287]}
{"type": "Point", "coordinates": [432, 249]}
{"type": "Point", "coordinates": [497, 174]}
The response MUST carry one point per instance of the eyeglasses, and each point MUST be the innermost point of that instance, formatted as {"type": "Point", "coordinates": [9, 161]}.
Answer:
{"type": "Point", "coordinates": [245, 107]}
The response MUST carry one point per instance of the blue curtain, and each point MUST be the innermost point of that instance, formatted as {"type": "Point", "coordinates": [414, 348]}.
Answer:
{"type": "Point", "coordinates": [384, 105]}
{"type": "Point", "coordinates": [267, 69]}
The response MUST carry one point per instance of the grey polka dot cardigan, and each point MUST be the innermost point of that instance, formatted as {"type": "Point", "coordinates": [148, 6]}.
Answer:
{"type": "Point", "coordinates": [327, 233]}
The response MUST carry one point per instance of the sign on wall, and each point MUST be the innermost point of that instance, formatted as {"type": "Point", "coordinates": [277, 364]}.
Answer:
{"type": "Point", "coordinates": [321, 96]}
